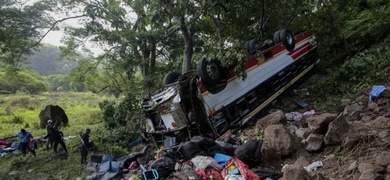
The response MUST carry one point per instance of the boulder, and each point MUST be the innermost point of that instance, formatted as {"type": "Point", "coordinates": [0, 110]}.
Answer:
{"type": "Point", "coordinates": [373, 107]}
{"type": "Point", "coordinates": [331, 161]}
{"type": "Point", "coordinates": [295, 172]}
{"type": "Point", "coordinates": [302, 161]}
{"type": "Point", "coordinates": [278, 142]}
{"type": "Point", "coordinates": [302, 132]}
{"type": "Point", "coordinates": [385, 93]}
{"type": "Point", "coordinates": [381, 122]}
{"type": "Point", "coordinates": [336, 131]}
{"type": "Point", "coordinates": [365, 166]}
{"type": "Point", "coordinates": [345, 102]}
{"type": "Point", "coordinates": [351, 140]}
{"type": "Point", "coordinates": [314, 142]}
{"type": "Point", "coordinates": [384, 136]}
{"type": "Point", "coordinates": [319, 123]}
{"type": "Point", "coordinates": [273, 118]}
{"type": "Point", "coordinates": [352, 112]}
{"type": "Point", "coordinates": [55, 113]}
{"type": "Point", "coordinates": [383, 159]}
{"type": "Point", "coordinates": [366, 118]}
{"type": "Point", "coordinates": [370, 174]}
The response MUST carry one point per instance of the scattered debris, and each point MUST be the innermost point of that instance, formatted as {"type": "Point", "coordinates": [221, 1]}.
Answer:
{"type": "Point", "coordinates": [313, 166]}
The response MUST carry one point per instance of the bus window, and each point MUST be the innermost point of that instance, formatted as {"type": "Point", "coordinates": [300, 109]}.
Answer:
{"type": "Point", "coordinates": [233, 111]}
{"type": "Point", "coordinates": [252, 100]}
{"type": "Point", "coordinates": [242, 107]}
{"type": "Point", "coordinates": [262, 93]}
{"type": "Point", "coordinates": [231, 114]}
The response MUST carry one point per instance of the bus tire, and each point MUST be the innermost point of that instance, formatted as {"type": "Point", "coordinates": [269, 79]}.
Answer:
{"type": "Point", "coordinates": [287, 37]}
{"type": "Point", "coordinates": [277, 37]}
{"type": "Point", "coordinates": [210, 71]}
{"type": "Point", "coordinates": [251, 46]}
{"type": "Point", "coordinates": [170, 78]}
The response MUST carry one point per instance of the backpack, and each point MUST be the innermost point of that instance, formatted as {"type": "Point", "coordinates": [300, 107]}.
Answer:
{"type": "Point", "coordinates": [184, 166]}
{"type": "Point", "coordinates": [197, 146]}
{"type": "Point", "coordinates": [249, 152]}
{"type": "Point", "coordinates": [33, 144]}
{"type": "Point", "coordinates": [175, 152]}
{"type": "Point", "coordinates": [184, 175]}
{"type": "Point", "coordinates": [164, 166]}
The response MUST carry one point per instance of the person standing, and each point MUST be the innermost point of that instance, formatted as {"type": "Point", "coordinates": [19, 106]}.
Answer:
{"type": "Point", "coordinates": [58, 138]}
{"type": "Point", "coordinates": [25, 138]}
{"type": "Point", "coordinates": [49, 142]}
{"type": "Point", "coordinates": [85, 145]}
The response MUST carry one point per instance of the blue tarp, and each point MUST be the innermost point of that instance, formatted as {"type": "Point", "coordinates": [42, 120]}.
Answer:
{"type": "Point", "coordinates": [376, 91]}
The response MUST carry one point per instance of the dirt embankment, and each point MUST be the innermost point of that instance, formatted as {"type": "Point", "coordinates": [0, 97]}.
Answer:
{"type": "Point", "coordinates": [351, 144]}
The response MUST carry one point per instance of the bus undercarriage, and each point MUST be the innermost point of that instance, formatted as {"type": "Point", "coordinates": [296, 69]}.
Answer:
{"type": "Point", "coordinates": [212, 101]}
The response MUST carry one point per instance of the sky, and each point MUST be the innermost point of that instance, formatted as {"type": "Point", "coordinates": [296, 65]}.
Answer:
{"type": "Point", "coordinates": [54, 38]}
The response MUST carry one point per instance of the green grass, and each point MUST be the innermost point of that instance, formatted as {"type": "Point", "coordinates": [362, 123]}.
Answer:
{"type": "Point", "coordinates": [22, 111]}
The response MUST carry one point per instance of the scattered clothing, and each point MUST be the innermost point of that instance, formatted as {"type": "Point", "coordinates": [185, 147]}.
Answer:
{"type": "Point", "coordinates": [308, 113]}
{"type": "Point", "coordinates": [294, 116]}
{"type": "Point", "coordinates": [313, 166]}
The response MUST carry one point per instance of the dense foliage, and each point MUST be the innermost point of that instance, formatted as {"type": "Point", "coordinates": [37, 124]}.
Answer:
{"type": "Point", "coordinates": [20, 29]}
{"type": "Point", "coordinates": [29, 82]}
{"type": "Point", "coordinates": [369, 67]}
{"type": "Point", "coordinates": [121, 122]}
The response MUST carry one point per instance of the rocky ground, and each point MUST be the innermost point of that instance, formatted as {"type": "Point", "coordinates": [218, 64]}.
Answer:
{"type": "Point", "coordinates": [353, 143]}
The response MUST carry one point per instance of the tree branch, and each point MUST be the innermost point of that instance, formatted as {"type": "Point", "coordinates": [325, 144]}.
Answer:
{"type": "Point", "coordinates": [47, 32]}
{"type": "Point", "coordinates": [262, 20]}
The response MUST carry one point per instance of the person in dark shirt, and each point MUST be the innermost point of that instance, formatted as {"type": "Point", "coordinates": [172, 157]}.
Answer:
{"type": "Point", "coordinates": [57, 138]}
{"type": "Point", "coordinates": [49, 142]}
{"type": "Point", "coordinates": [85, 146]}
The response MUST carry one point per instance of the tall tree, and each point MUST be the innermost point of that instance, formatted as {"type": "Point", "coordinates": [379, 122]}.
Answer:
{"type": "Point", "coordinates": [20, 29]}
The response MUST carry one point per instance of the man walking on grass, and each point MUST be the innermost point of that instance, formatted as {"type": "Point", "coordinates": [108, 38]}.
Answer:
{"type": "Point", "coordinates": [57, 138]}
{"type": "Point", "coordinates": [49, 142]}
{"type": "Point", "coordinates": [85, 146]}
{"type": "Point", "coordinates": [25, 138]}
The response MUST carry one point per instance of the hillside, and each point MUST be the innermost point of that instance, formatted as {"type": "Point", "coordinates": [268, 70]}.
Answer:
{"type": "Point", "coordinates": [351, 143]}
{"type": "Point", "coordinates": [46, 61]}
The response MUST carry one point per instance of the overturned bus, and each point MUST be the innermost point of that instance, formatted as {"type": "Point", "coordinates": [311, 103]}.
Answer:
{"type": "Point", "coordinates": [214, 100]}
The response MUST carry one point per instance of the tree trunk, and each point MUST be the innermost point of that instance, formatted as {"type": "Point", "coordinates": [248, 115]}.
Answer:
{"type": "Point", "coordinates": [188, 46]}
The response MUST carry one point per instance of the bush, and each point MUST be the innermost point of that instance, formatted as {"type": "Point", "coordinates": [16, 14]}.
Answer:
{"type": "Point", "coordinates": [21, 80]}
{"type": "Point", "coordinates": [123, 115]}
{"type": "Point", "coordinates": [364, 69]}
{"type": "Point", "coordinates": [114, 137]}
{"type": "Point", "coordinates": [17, 120]}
